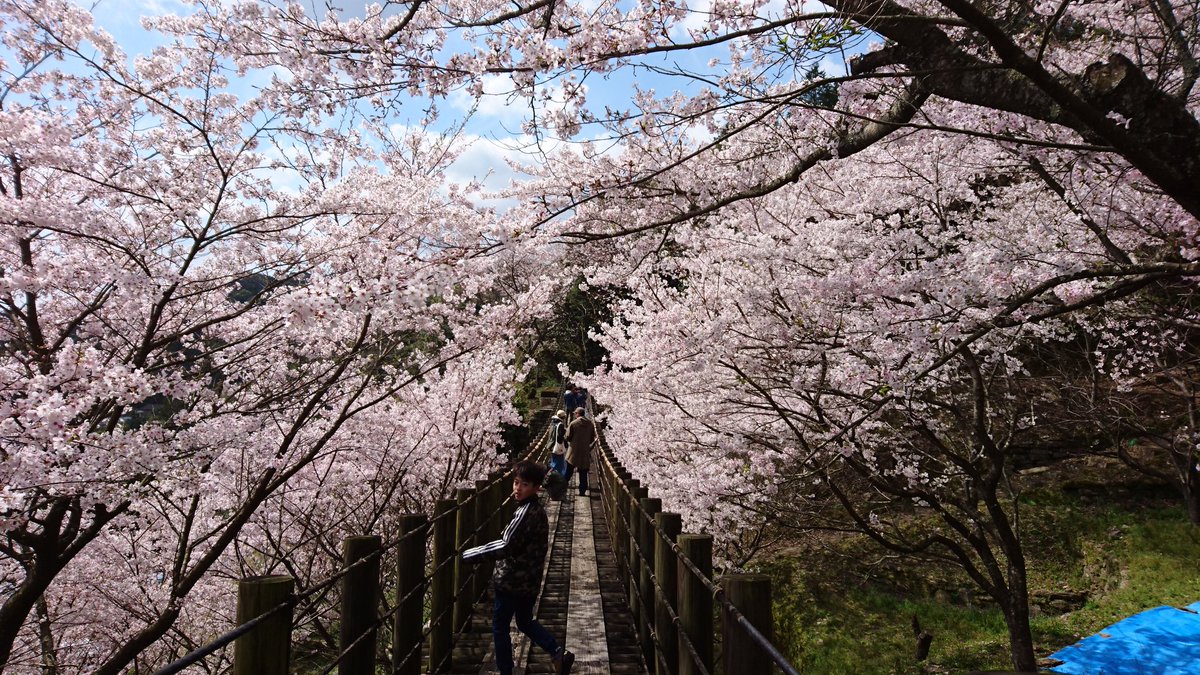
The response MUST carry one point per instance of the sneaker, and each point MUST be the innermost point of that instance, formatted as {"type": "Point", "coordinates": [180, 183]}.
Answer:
{"type": "Point", "coordinates": [564, 661]}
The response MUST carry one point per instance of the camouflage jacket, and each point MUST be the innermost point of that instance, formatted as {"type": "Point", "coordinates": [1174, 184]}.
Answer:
{"type": "Point", "coordinates": [520, 552]}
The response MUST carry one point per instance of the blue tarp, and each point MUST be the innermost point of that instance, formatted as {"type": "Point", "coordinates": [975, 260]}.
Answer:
{"type": "Point", "coordinates": [1161, 640]}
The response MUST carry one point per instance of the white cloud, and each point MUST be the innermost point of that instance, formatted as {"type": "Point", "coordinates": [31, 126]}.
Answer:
{"type": "Point", "coordinates": [498, 105]}
{"type": "Point", "coordinates": [699, 134]}
{"type": "Point", "coordinates": [486, 161]}
{"type": "Point", "coordinates": [490, 162]}
{"type": "Point", "coordinates": [834, 66]}
{"type": "Point", "coordinates": [697, 17]}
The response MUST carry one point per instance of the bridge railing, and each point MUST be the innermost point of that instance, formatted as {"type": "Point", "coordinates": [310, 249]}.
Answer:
{"type": "Point", "coordinates": [671, 592]}
{"type": "Point", "coordinates": [427, 574]}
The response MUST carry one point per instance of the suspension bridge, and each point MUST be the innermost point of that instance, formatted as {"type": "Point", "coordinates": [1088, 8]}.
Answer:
{"type": "Point", "coordinates": [623, 588]}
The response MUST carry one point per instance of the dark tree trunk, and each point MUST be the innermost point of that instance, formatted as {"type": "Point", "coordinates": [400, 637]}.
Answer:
{"type": "Point", "coordinates": [61, 539]}
{"type": "Point", "coordinates": [1016, 615]}
{"type": "Point", "coordinates": [46, 638]}
{"type": "Point", "coordinates": [17, 607]}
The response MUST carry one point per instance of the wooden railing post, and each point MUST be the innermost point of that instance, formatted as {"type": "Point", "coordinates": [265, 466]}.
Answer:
{"type": "Point", "coordinates": [410, 584]}
{"type": "Point", "coordinates": [360, 600]}
{"type": "Point", "coordinates": [751, 594]}
{"type": "Point", "coordinates": [501, 491]}
{"type": "Point", "coordinates": [483, 524]}
{"type": "Point", "coordinates": [441, 632]}
{"type": "Point", "coordinates": [631, 518]}
{"type": "Point", "coordinates": [463, 583]}
{"type": "Point", "coordinates": [509, 506]}
{"type": "Point", "coordinates": [620, 482]}
{"type": "Point", "coordinates": [266, 649]}
{"type": "Point", "coordinates": [695, 607]}
{"type": "Point", "coordinates": [665, 573]}
{"type": "Point", "coordinates": [646, 538]}
{"type": "Point", "coordinates": [625, 526]}
{"type": "Point", "coordinates": [495, 498]}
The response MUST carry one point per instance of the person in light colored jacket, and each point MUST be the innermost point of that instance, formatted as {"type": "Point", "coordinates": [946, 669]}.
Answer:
{"type": "Point", "coordinates": [581, 438]}
{"type": "Point", "coordinates": [558, 440]}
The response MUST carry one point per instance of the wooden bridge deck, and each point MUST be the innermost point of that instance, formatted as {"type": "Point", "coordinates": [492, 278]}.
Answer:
{"type": "Point", "coordinates": [582, 599]}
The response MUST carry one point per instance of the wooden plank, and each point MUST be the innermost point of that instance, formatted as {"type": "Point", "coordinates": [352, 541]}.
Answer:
{"type": "Point", "coordinates": [585, 613]}
{"type": "Point", "coordinates": [624, 653]}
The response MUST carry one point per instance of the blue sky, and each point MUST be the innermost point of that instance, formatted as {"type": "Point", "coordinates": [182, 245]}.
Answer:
{"type": "Point", "coordinates": [493, 130]}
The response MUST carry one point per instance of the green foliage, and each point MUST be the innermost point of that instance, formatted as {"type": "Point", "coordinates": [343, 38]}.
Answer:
{"type": "Point", "coordinates": [565, 339]}
{"type": "Point", "coordinates": [823, 94]}
{"type": "Point", "coordinates": [841, 608]}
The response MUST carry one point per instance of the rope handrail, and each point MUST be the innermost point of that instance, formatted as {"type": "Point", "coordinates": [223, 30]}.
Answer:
{"type": "Point", "coordinates": [536, 448]}
{"type": "Point", "coordinates": [651, 631]}
{"type": "Point", "coordinates": [383, 619]}
{"type": "Point", "coordinates": [718, 593]}
{"type": "Point", "coordinates": [660, 595]}
{"type": "Point", "coordinates": [207, 649]}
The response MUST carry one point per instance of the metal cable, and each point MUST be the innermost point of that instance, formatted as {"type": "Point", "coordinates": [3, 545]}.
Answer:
{"type": "Point", "coordinates": [660, 597]}
{"type": "Point", "coordinates": [415, 650]}
{"type": "Point", "coordinates": [660, 594]}
{"type": "Point", "coordinates": [717, 592]}
{"type": "Point", "coordinates": [379, 622]}
{"type": "Point", "coordinates": [205, 650]}
{"type": "Point", "coordinates": [383, 619]}
{"type": "Point", "coordinates": [458, 551]}
{"type": "Point", "coordinates": [237, 631]}
{"type": "Point", "coordinates": [650, 626]}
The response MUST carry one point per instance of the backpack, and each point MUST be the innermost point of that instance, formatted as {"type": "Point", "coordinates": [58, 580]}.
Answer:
{"type": "Point", "coordinates": [557, 441]}
{"type": "Point", "coordinates": [555, 485]}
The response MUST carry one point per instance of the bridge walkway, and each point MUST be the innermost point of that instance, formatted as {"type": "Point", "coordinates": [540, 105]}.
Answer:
{"type": "Point", "coordinates": [582, 599]}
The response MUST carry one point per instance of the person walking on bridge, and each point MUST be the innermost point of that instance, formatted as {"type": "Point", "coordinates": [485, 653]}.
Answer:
{"type": "Point", "coordinates": [520, 553]}
{"type": "Point", "coordinates": [558, 437]}
{"type": "Point", "coordinates": [571, 399]}
{"type": "Point", "coordinates": [581, 437]}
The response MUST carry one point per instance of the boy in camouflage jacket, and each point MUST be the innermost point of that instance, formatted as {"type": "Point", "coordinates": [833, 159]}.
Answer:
{"type": "Point", "coordinates": [520, 554]}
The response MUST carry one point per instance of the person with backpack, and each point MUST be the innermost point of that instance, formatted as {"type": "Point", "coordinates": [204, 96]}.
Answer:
{"type": "Point", "coordinates": [571, 398]}
{"type": "Point", "coordinates": [558, 441]}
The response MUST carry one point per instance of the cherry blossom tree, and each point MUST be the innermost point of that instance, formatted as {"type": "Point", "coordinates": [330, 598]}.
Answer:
{"type": "Point", "coordinates": [837, 294]}
{"type": "Point", "coordinates": [1127, 387]}
{"type": "Point", "coordinates": [858, 359]}
{"type": "Point", "coordinates": [216, 305]}
{"type": "Point", "coordinates": [838, 307]}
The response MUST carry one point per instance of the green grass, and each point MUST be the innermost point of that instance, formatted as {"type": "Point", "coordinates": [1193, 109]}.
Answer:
{"type": "Point", "coordinates": [837, 616]}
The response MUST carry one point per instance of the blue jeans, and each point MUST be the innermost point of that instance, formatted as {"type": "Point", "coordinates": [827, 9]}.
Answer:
{"type": "Point", "coordinates": [508, 605]}
{"type": "Point", "coordinates": [583, 484]}
{"type": "Point", "coordinates": [559, 463]}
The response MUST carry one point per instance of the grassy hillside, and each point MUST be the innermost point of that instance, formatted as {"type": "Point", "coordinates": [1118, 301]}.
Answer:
{"type": "Point", "coordinates": [1102, 544]}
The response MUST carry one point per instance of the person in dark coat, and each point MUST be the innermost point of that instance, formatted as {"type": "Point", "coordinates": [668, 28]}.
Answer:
{"type": "Point", "coordinates": [571, 399]}
{"type": "Point", "coordinates": [520, 555]}
{"type": "Point", "coordinates": [581, 437]}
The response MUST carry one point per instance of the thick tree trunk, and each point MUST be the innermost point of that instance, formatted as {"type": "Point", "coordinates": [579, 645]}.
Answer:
{"type": "Point", "coordinates": [1016, 615]}
{"type": "Point", "coordinates": [46, 638]}
{"type": "Point", "coordinates": [17, 607]}
{"type": "Point", "coordinates": [1160, 136]}
{"type": "Point", "coordinates": [61, 539]}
